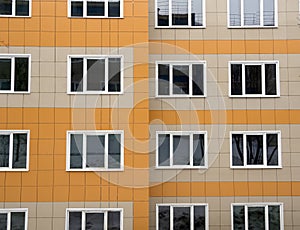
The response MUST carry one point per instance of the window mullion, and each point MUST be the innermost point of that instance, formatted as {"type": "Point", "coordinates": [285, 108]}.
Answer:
{"type": "Point", "coordinates": [105, 8]}
{"type": "Point", "coordinates": [192, 217]}
{"type": "Point", "coordinates": [83, 220]}
{"type": "Point", "coordinates": [171, 79]}
{"type": "Point", "coordinates": [171, 150]}
{"type": "Point", "coordinates": [243, 79]}
{"type": "Point", "coordinates": [105, 220]}
{"type": "Point", "coordinates": [11, 151]}
{"type": "Point", "coordinates": [170, 13]}
{"type": "Point", "coordinates": [246, 217]}
{"type": "Point", "coordinates": [171, 217]}
{"type": "Point", "coordinates": [106, 151]}
{"type": "Point", "coordinates": [267, 217]}
{"type": "Point", "coordinates": [12, 76]}
{"type": "Point", "coordinates": [84, 150]}
{"type": "Point", "coordinates": [8, 220]}
{"type": "Point", "coordinates": [189, 12]}
{"type": "Point", "coordinates": [263, 79]}
{"type": "Point", "coordinates": [242, 13]}
{"type": "Point", "coordinates": [265, 150]}
{"type": "Point", "coordinates": [190, 79]}
{"type": "Point", "coordinates": [191, 150]}
{"type": "Point", "coordinates": [13, 13]}
{"type": "Point", "coordinates": [84, 77]}
{"type": "Point", "coordinates": [245, 149]}
{"type": "Point", "coordinates": [106, 68]}
{"type": "Point", "coordinates": [261, 13]}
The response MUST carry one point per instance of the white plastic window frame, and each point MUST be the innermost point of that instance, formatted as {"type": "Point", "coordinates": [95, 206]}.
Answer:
{"type": "Point", "coordinates": [172, 205]}
{"type": "Point", "coordinates": [11, 133]}
{"type": "Point", "coordinates": [95, 132]}
{"type": "Point", "coordinates": [189, 26]}
{"type": "Point", "coordinates": [183, 63]}
{"type": "Point", "coordinates": [12, 57]}
{"type": "Point", "coordinates": [85, 9]}
{"type": "Point", "coordinates": [248, 63]}
{"type": "Point", "coordinates": [84, 84]}
{"type": "Point", "coordinates": [183, 133]}
{"type": "Point", "coordinates": [93, 210]}
{"type": "Point", "coordinates": [13, 15]}
{"type": "Point", "coordinates": [8, 211]}
{"type": "Point", "coordinates": [246, 205]}
{"type": "Point", "coordinates": [261, 25]}
{"type": "Point", "coordinates": [264, 134]}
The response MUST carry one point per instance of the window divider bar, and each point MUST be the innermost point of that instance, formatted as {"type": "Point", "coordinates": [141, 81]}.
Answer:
{"type": "Point", "coordinates": [171, 150]}
{"type": "Point", "coordinates": [243, 78]}
{"type": "Point", "coordinates": [242, 13]}
{"type": "Point", "coordinates": [192, 207]}
{"type": "Point", "coordinates": [265, 150]}
{"type": "Point", "coordinates": [8, 220]}
{"type": "Point", "coordinates": [11, 151]}
{"type": "Point", "coordinates": [267, 217]}
{"type": "Point", "coordinates": [171, 217]}
{"type": "Point", "coordinates": [263, 79]}
{"type": "Point", "coordinates": [171, 79]}
{"type": "Point", "coordinates": [190, 79]}
{"type": "Point", "coordinates": [105, 220]}
{"type": "Point", "coordinates": [170, 13]}
{"type": "Point", "coordinates": [261, 16]}
{"type": "Point", "coordinates": [83, 213]}
{"type": "Point", "coordinates": [84, 77]}
{"type": "Point", "coordinates": [84, 150]}
{"type": "Point", "coordinates": [191, 149]}
{"type": "Point", "coordinates": [246, 216]}
{"type": "Point", "coordinates": [189, 12]}
{"type": "Point", "coordinates": [106, 8]}
{"type": "Point", "coordinates": [12, 76]}
{"type": "Point", "coordinates": [106, 151]}
{"type": "Point", "coordinates": [106, 67]}
{"type": "Point", "coordinates": [245, 149]}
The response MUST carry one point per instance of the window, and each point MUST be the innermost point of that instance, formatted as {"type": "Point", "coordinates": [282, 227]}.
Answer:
{"type": "Point", "coordinates": [265, 216]}
{"type": "Point", "coordinates": [254, 79]}
{"type": "Point", "coordinates": [180, 13]}
{"type": "Point", "coordinates": [14, 73]}
{"type": "Point", "coordinates": [180, 79]}
{"type": "Point", "coordinates": [15, 8]}
{"type": "Point", "coordinates": [95, 75]}
{"type": "Point", "coordinates": [182, 216]}
{"type": "Point", "coordinates": [84, 219]}
{"type": "Point", "coordinates": [13, 219]}
{"type": "Point", "coordinates": [181, 149]}
{"type": "Point", "coordinates": [252, 13]}
{"type": "Point", "coordinates": [96, 8]}
{"type": "Point", "coordinates": [95, 151]}
{"type": "Point", "coordinates": [250, 149]}
{"type": "Point", "coordinates": [14, 150]}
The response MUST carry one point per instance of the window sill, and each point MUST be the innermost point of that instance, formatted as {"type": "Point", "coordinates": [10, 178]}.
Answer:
{"type": "Point", "coordinates": [179, 96]}
{"type": "Point", "coordinates": [12, 16]}
{"type": "Point", "coordinates": [256, 167]}
{"type": "Point", "coordinates": [13, 170]}
{"type": "Point", "coordinates": [254, 96]}
{"type": "Point", "coordinates": [95, 17]}
{"type": "Point", "coordinates": [180, 168]}
{"type": "Point", "coordinates": [95, 93]}
{"type": "Point", "coordinates": [180, 27]}
{"type": "Point", "coordinates": [253, 27]}
{"type": "Point", "coordinates": [95, 170]}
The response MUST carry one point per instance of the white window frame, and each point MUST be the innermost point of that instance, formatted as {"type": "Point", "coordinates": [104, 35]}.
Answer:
{"type": "Point", "coordinates": [261, 25]}
{"type": "Point", "coordinates": [246, 205]}
{"type": "Point", "coordinates": [10, 133]}
{"type": "Point", "coordinates": [264, 134]}
{"type": "Point", "coordinates": [172, 205]}
{"type": "Point", "coordinates": [190, 133]}
{"type": "Point", "coordinates": [84, 85]}
{"type": "Point", "coordinates": [183, 63]}
{"type": "Point", "coordinates": [189, 18]}
{"type": "Point", "coordinates": [12, 57]}
{"type": "Point", "coordinates": [95, 132]}
{"type": "Point", "coordinates": [13, 15]}
{"type": "Point", "coordinates": [8, 211]}
{"type": "Point", "coordinates": [105, 9]}
{"type": "Point", "coordinates": [93, 210]}
{"type": "Point", "coordinates": [248, 63]}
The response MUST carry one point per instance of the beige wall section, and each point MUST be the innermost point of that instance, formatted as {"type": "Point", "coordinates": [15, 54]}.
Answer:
{"type": "Point", "coordinates": [216, 25]}
{"type": "Point", "coordinates": [51, 216]}
{"type": "Point", "coordinates": [49, 79]}
{"type": "Point", "coordinates": [220, 209]}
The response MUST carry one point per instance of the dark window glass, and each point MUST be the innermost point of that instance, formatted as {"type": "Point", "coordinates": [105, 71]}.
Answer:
{"type": "Point", "coordinates": [5, 74]}
{"type": "Point", "coordinates": [164, 218]}
{"type": "Point", "coordinates": [5, 7]}
{"type": "Point", "coordinates": [113, 219]}
{"type": "Point", "coordinates": [114, 8]}
{"type": "Point", "coordinates": [181, 150]}
{"type": "Point", "coordinates": [197, 17]}
{"type": "Point", "coordinates": [164, 149]}
{"type": "Point", "coordinates": [77, 9]}
{"type": "Point", "coordinates": [95, 151]}
{"type": "Point", "coordinates": [253, 79]}
{"type": "Point", "coordinates": [4, 150]}
{"type": "Point", "coordinates": [75, 220]}
{"type": "Point", "coordinates": [254, 149]}
{"type": "Point", "coordinates": [270, 75]}
{"type": "Point", "coordinates": [197, 76]}
{"type": "Point", "coordinates": [163, 80]}
{"type": "Point", "coordinates": [76, 74]}
{"type": "Point", "coordinates": [114, 150]}
{"type": "Point", "coordinates": [76, 151]}
{"type": "Point", "coordinates": [199, 218]}
{"type": "Point", "coordinates": [256, 218]}
{"type": "Point", "coordinates": [179, 12]}
{"type": "Point", "coordinates": [114, 74]}
{"type": "Point", "coordinates": [274, 217]}
{"type": "Point", "coordinates": [251, 12]}
{"type": "Point", "coordinates": [272, 149]}
{"type": "Point", "coordinates": [22, 7]}
{"type": "Point", "coordinates": [163, 12]}
{"type": "Point", "coordinates": [237, 150]}
{"type": "Point", "coordinates": [198, 150]}
{"type": "Point", "coordinates": [235, 12]}
{"type": "Point", "coordinates": [95, 74]}
{"type": "Point", "coordinates": [21, 74]}
{"type": "Point", "coordinates": [3, 221]}
{"type": "Point", "coordinates": [19, 151]}
{"type": "Point", "coordinates": [269, 13]}
{"type": "Point", "coordinates": [180, 79]}
{"type": "Point", "coordinates": [95, 9]}
{"type": "Point", "coordinates": [239, 218]}
{"type": "Point", "coordinates": [94, 221]}
{"type": "Point", "coordinates": [17, 221]}
{"type": "Point", "coordinates": [236, 79]}
{"type": "Point", "coordinates": [181, 219]}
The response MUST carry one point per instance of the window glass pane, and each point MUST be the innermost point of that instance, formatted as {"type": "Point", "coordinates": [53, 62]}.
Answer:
{"type": "Point", "coordinates": [5, 7]}
{"type": "Point", "coordinates": [163, 80]}
{"type": "Point", "coordinates": [179, 12]}
{"type": "Point", "coordinates": [95, 151]}
{"type": "Point", "coordinates": [274, 217]}
{"type": "Point", "coordinates": [180, 79]}
{"type": "Point", "coordinates": [114, 151]}
{"type": "Point", "coordinates": [238, 217]}
{"type": "Point", "coordinates": [95, 9]}
{"type": "Point", "coordinates": [20, 151]}
{"type": "Point", "coordinates": [76, 150]}
{"type": "Point", "coordinates": [95, 74]}
{"type": "Point", "coordinates": [75, 219]}
{"type": "Point", "coordinates": [253, 79]}
{"type": "Point", "coordinates": [198, 80]}
{"type": "Point", "coordinates": [94, 221]}
{"type": "Point", "coordinates": [235, 12]}
{"type": "Point", "coordinates": [162, 12]}
{"type": "Point", "coordinates": [5, 74]}
{"type": "Point", "coordinates": [114, 74]}
{"type": "Point", "coordinates": [254, 149]}
{"type": "Point", "coordinates": [114, 8]}
{"type": "Point", "coordinates": [77, 9]}
{"type": "Point", "coordinates": [76, 74]}
{"type": "Point", "coordinates": [17, 221]}
{"type": "Point", "coordinates": [237, 150]}
{"type": "Point", "coordinates": [181, 150]}
{"type": "Point", "coordinates": [21, 74]}
{"type": "Point", "coordinates": [199, 218]}
{"type": "Point", "coordinates": [272, 149]}
{"type": "Point", "coordinates": [3, 221]}
{"type": "Point", "coordinates": [22, 7]}
{"type": "Point", "coordinates": [269, 13]}
{"type": "Point", "coordinates": [4, 150]}
{"type": "Point", "coordinates": [181, 218]}
{"type": "Point", "coordinates": [251, 12]}
{"type": "Point", "coordinates": [236, 79]}
{"type": "Point", "coordinates": [113, 220]}
{"type": "Point", "coordinates": [164, 149]}
{"type": "Point", "coordinates": [198, 150]}
{"type": "Point", "coordinates": [164, 218]}
{"type": "Point", "coordinates": [197, 16]}
{"type": "Point", "coordinates": [256, 218]}
{"type": "Point", "coordinates": [270, 75]}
